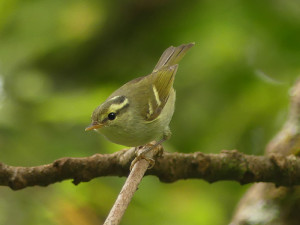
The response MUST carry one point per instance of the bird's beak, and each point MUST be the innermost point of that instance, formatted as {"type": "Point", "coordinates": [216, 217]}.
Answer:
{"type": "Point", "coordinates": [93, 126]}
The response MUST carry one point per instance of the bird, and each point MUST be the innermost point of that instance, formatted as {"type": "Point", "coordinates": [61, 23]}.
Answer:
{"type": "Point", "coordinates": [140, 111]}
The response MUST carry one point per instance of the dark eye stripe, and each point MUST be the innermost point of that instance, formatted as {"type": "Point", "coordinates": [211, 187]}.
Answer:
{"type": "Point", "coordinates": [116, 105]}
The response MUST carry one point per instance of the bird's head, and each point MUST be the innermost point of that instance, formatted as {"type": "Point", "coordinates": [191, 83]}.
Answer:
{"type": "Point", "coordinates": [109, 113]}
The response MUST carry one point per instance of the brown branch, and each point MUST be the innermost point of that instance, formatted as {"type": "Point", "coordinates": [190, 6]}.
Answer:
{"type": "Point", "coordinates": [228, 165]}
{"type": "Point", "coordinates": [128, 190]}
{"type": "Point", "coordinates": [266, 196]}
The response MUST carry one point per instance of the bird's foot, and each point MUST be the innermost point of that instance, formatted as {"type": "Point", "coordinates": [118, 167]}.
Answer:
{"type": "Point", "coordinates": [144, 152]}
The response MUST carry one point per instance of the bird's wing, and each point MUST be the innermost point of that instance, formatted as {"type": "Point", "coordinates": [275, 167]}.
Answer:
{"type": "Point", "coordinates": [161, 87]}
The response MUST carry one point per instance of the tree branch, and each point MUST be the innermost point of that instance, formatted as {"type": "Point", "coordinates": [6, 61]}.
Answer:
{"type": "Point", "coordinates": [128, 189]}
{"type": "Point", "coordinates": [169, 167]}
{"type": "Point", "coordinates": [265, 197]}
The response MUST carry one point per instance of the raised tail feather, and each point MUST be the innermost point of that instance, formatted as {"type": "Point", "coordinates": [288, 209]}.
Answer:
{"type": "Point", "coordinates": [172, 56]}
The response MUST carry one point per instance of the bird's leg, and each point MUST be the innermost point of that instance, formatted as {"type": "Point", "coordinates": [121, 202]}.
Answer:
{"type": "Point", "coordinates": [142, 153]}
{"type": "Point", "coordinates": [166, 135]}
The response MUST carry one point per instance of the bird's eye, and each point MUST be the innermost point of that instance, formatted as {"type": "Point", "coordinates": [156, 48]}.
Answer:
{"type": "Point", "coordinates": [111, 116]}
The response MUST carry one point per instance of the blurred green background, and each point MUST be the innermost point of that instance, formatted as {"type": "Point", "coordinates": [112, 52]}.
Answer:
{"type": "Point", "coordinates": [60, 59]}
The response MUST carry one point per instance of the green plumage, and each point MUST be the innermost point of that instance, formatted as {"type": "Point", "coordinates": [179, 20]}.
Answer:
{"type": "Point", "coordinates": [149, 107]}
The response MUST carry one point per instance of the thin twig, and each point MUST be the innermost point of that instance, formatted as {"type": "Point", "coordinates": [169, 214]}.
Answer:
{"type": "Point", "coordinates": [127, 192]}
{"type": "Point", "coordinates": [139, 167]}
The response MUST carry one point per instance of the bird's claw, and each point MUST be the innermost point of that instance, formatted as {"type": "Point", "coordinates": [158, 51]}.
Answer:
{"type": "Point", "coordinates": [142, 156]}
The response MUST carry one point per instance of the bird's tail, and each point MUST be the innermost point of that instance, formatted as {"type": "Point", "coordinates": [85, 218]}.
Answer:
{"type": "Point", "coordinates": [172, 56]}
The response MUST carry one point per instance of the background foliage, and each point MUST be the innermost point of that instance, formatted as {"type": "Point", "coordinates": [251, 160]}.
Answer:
{"type": "Point", "coordinates": [60, 59]}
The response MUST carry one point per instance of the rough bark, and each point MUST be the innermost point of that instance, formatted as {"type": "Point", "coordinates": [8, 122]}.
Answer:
{"type": "Point", "coordinates": [169, 167]}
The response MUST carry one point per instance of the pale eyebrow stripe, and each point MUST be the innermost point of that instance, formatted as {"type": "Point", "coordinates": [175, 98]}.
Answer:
{"type": "Point", "coordinates": [118, 106]}
{"type": "Point", "coordinates": [117, 99]}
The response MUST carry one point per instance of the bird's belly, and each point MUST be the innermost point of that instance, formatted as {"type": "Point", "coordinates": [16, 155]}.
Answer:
{"type": "Point", "coordinates": [140, 135]}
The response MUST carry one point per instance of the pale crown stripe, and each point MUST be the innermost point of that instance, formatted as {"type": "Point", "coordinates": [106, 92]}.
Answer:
{"type": "Point", "coordinates": [113, 98]}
